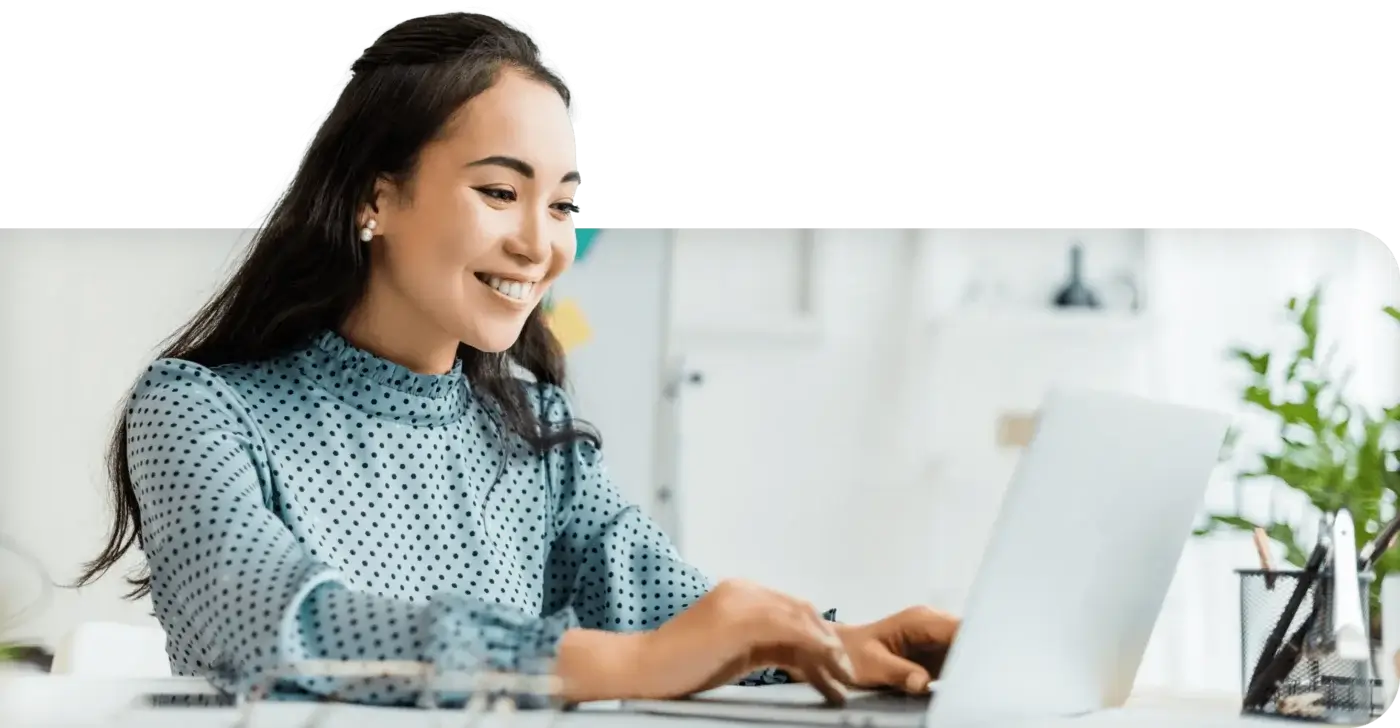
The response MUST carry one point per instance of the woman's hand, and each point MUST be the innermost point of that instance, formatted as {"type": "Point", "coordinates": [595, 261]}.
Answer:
{"type": "Point", "coordinates": [736, 628]}
{"type": "Point", "coordinates": [905, 650]}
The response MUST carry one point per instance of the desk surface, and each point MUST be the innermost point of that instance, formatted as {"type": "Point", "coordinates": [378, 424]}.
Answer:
{"type": "Point", "coordinates": [1143, 711]}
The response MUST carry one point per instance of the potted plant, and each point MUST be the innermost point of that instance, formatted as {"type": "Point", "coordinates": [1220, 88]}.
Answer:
{"type": "Point", "coordinates": [1336, 452]}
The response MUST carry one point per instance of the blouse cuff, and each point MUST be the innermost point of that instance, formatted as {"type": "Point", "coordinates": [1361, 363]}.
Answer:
{"type": "Point", "coordinates": [469, 636]}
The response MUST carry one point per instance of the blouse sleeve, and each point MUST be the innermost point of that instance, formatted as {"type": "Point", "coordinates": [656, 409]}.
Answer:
{"type": "Point", "coordinates": [237, 591]}
{"type": "Point", "coordinates": [621, 572]}
{"type": "Point", "coordinates": [625, 574]}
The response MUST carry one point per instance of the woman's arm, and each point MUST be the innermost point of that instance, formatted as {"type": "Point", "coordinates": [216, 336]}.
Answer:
{"type": "Point", "coordinates": [624, 574]}
{"type": "Point", "coordinates": [238, 593]}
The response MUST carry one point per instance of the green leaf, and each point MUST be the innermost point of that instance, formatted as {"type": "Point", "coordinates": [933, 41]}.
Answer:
{"type": "Point", "coordinates": [1392, 312]}
{"type": "Point", "coordinates": [1258, 363]}
{"type": "Point", "coordinates": [1259, 397]}
{"type": "Point", "coordinates": [1342, 417]}
{"type": "Point", "coordinates": [1300, 357]}
{"type": "Point", "coordinates": [1308, 322]}
{"type": "Point", "coordinates": [1227, 447]}
{"type": "Point", "coordinates": [1299, 413]}
{"type": "Point", "coordinates": [1234, 522]}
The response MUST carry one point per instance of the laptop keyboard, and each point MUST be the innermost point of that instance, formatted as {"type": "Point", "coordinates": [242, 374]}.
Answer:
{"type": "Point", "coordinates": [888, 702]}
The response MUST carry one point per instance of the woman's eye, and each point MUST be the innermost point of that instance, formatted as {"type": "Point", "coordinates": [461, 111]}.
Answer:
{"type": "Point", "coordinates": [497, 193]}
{"type": "Point", "coordinates": [568, 208]}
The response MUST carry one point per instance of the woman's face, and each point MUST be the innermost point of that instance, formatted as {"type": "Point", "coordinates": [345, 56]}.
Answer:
{"type": "Point", "coordinates": [485, 226]}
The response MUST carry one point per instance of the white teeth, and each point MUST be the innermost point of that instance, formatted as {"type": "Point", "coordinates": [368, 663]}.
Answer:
{"type": "Point", "coordinates": [519, 290]}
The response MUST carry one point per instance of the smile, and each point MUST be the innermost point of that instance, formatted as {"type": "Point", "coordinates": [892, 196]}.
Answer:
{"type": "Point", "coordinates": [512, 289]}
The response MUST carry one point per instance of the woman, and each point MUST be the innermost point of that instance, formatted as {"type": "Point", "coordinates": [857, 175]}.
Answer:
{"type": "Point", "coordinates": [360, 448]}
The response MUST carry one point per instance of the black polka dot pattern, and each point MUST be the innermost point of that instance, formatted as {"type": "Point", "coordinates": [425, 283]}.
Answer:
{"type": "Point", "coordinates": [334, 505]}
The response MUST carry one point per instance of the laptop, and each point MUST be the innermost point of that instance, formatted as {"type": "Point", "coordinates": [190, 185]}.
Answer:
{"type": "Point", "coordinates": [1070, 586]}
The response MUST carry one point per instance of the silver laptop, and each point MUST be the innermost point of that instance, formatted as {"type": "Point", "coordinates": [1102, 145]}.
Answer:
{"type": "Point", "coordinates": [1070, 585]}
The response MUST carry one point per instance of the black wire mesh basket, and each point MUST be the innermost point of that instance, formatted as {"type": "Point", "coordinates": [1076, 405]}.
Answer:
{"type": "Point", "coordinates": [1321, 686]}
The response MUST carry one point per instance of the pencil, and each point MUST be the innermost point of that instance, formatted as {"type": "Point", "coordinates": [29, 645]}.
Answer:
{"type": "Point", "coordinates": [1261, 544]}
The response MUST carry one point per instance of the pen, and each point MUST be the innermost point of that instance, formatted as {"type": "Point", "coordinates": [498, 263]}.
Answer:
{"type": "Point", "coordinates": [1267, 680]}
{"type": "Point", "coordinates": [1295, 600]}
{"type": "Point", "coordinates": [1371, 552]}
{"type": "Point", "coordinates": [1261, 544]}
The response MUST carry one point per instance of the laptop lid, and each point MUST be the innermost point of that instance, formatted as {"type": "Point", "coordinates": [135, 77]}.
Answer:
{"type": "Point", "coordinates": [1084, 549]}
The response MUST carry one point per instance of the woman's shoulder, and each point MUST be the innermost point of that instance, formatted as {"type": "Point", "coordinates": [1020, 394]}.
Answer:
{"type": "Point", "coordinates": [170, 372]}
{"type": "Point", "coordinates": [170, 378]}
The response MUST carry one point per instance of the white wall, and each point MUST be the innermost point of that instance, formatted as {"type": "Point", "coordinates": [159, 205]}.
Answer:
{"type": "Point", "coordinates": [786, 468]}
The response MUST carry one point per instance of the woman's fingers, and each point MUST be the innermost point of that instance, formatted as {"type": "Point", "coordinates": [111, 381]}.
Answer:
{"type": "Point", "coordinates": [823, 682]}
{"type": "Point", "coordinates": [792, 640]}
{"type": "Point", "coordinates": [776, 630]}
{"type": "Point", "coordinates": [894, 671]}
{"type": "Point", "coordinates": [923, 635]}
{"type": "Point", "coordinates": [927, 626]}
{"type": "Point", "coordinates": [842, 670]}
{"type": "Point", "coordinates": [822, 657]}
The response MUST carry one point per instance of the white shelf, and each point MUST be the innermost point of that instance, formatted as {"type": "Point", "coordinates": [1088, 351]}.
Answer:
{"type": "Point", "coordinates": [1073, 322]}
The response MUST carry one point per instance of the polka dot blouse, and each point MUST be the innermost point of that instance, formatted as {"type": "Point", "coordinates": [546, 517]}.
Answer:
{"type": "Point", "coordinates": [331, 504]}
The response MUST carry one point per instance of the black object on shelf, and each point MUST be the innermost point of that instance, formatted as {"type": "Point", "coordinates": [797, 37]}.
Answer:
{"type": "Point", "coordinates": [1076, 293]}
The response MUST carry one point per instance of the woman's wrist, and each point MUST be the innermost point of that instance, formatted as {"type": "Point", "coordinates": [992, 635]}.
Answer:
{"type": "Point", "coordinates": [598, 665]}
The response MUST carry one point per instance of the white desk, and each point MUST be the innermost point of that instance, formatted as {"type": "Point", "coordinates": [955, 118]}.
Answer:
{"type": "Point", "coordinates": [289, 716]}
{"type": "Point", "coordinates": [1146, 711]}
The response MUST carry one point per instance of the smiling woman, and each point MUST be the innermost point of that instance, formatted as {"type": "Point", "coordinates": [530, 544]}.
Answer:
{"type": "Point", "coordinates": [360, 448]}
{"type": "Point", "coordinates": [490, 201]}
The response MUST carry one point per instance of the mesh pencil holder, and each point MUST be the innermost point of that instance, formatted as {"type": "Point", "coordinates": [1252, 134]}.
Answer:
{"type": "Point", "coordinates": [1321, 686]}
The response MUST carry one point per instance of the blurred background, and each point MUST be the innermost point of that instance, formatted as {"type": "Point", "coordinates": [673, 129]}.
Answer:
{"type": "Point", "coordinates": [834, 412]}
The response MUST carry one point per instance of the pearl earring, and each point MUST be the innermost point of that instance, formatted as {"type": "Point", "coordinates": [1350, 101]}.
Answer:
{"type": "Point", "coordinates": [367, 232]}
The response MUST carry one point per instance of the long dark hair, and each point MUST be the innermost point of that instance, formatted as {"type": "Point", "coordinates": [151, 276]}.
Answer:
{"type": "Point", "coordinates": [306, 268]}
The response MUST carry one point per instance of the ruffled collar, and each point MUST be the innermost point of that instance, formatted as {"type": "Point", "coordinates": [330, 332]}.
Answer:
{"type": "Point", "coordinates": [380, 387]}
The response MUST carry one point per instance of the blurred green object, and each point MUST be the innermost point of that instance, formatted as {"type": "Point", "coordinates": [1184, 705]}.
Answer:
{"type": "Point", "coordinates": [1329, 448]}
{"type": "Point", "coordinates": [585, 237]}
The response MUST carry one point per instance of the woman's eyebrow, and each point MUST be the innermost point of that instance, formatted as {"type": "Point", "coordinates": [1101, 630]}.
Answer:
{"type": "Point", "coordinates": [520, 166]}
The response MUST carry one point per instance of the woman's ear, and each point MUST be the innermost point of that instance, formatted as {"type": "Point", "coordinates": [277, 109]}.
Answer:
{"type": "Point", "coordinates": [373, 215]}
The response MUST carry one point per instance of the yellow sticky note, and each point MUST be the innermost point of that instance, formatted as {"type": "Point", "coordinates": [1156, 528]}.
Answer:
{"type": "Point", "coordinates": [569, 325]}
